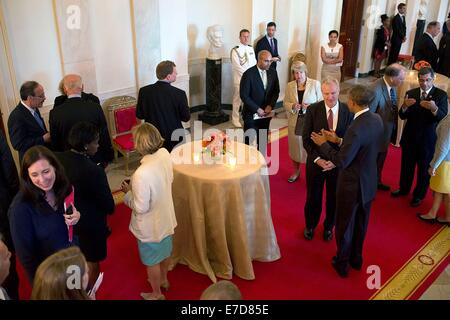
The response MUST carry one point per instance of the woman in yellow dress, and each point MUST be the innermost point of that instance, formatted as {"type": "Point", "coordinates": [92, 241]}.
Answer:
{"type": "Point", "coordinates": [440, 175]}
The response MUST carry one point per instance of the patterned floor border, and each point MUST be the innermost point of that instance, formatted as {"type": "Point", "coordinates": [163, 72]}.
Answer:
{"type": "Point", "coordinates": [404, 283]}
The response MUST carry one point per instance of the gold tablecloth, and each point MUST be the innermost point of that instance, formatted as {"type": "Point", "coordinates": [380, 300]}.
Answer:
{"type": "Point", "coordinates": [223, 213]}
{"type": "Point", "coordinates": [411, 82]}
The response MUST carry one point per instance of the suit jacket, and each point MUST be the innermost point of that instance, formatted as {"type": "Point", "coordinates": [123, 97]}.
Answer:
{"type": "Point", "coordinates": [420, 129]}
{"type": "Point", "coordinates": [253, 94]}
{"type": "Point", "coordinates": [9, 186]}
{"type": "Point", "coordinates": [84, 96]}
{"type": "Point", "coordinates": [75, 110]}
{"type": "Point", "coordinates": [313, 94]}
{"type": "Point", "coordinates": [164, 106]}
{"type": "Point", "coordinates": [316, 120]}
{"type": "Point", "coordinates": [426, 50]}
{"type": "Point", "coordinates": [24, 130]}
{"type": "Point", "coordinates": [383, 105]}
{"type": "Point", "coordinates": [357, 159]}
{"type": "Point", "coordinates": [88, 179]}
{"type": "Point", "coordinates": [444, 55]}
{"type": "Point", "coordinates": [263, 44]}
{"type": "Point", "coordinates": [398, 29]}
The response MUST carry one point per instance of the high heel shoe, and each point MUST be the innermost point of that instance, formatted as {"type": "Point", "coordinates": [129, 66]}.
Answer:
{"type": "Point", "coordinates": [447, 223]}
{"type": "Point", "coordinates": [165, 285]}
{"type": "Point", "coordinates": [429, 220]}
{"type": "Point", "coordinates": [149, 296]}
{"type": "Point", "coordinates": [293, 178]}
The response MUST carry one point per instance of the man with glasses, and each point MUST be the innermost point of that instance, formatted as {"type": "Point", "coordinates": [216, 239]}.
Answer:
{"type": "Point", "coordinates": [26, 126]}
{"type": "Point", "coordinates": [423, 107]}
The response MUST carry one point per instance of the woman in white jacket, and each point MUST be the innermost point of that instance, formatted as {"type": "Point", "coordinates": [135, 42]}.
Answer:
{"type": "Point", "coordinates": [149, 195]}
{"type": "Point", "coordinates": [299, 94]}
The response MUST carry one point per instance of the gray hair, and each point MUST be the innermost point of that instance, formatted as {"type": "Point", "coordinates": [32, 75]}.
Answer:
{"type": "Point", "coordinates": [299, 66]}
{"type": "Point", "coordinates": [331, 80]}
{"type": "Point", "coordinates": [394, 70]}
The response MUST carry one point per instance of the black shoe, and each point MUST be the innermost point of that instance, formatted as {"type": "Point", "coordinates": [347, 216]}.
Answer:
{"type": "Point", "coordinates": [429, 220]}
{"type": "Point", "coordinates": [340, 271]}
{"type": "Point", "coordinates": [327, 235]}
{"type": "Point", "coordinates": [398, 193]}
{"type": "Point", "coordinates": [308, 233]}
{"type": "Point", "coordinates": [383, 187]}
{"type": "Point", "coordinates": [415, 202]}
{"type": "Point", "coordinates": [356, 265]}
{"type": "Point", "coordinates": [446, 223]}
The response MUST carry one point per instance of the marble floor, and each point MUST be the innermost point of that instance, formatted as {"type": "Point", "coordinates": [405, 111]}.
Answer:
{"type": "Point", "coordinates": [439, 290]}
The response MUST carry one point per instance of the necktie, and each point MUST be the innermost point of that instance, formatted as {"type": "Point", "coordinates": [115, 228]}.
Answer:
{"type": "Point", "coordinates": [271, 45]}
{"type": "Point", "coordinates": [330, 119]}
{"type": "Point", "coordinates": [393, 97]}
{"type": "Point", "coordinates": [423, 96]}
{"type": "Point", "coordinates": [394, 115]}
{"type": "Point", "coordinates": [264, 78]}
{"type": "Point", "coordinates": [39, 120]}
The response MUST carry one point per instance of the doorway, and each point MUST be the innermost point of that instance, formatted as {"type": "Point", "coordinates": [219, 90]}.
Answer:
{"type": "Point", "coordinates": [350, 32]}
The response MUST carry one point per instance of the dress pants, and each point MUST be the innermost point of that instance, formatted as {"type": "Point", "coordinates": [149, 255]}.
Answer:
{"type": "Point", "coordinates": [381, 158]}
{"type": "Point", "coordinates": [315, 180]}
{"type": "Point", "coordinates": [257, 129]}
{"type": "Point", "coordinates": [394, 51]}
{"type": "Point", "coordinates": [413, 156]}
{"type": "Point", "coordinates": [236, 104]}
{"type": "Point", "coordinates": [351, 227]}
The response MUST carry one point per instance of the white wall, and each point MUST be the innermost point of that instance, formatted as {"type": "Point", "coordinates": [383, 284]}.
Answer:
{"type": "Point", "coordinates": [113, 46]}
{"type": "Point", "coordinates": [33, 44]}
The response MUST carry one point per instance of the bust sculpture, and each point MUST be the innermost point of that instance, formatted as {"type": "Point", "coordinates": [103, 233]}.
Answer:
{"type": "Point", "coordinates": [215, 36]}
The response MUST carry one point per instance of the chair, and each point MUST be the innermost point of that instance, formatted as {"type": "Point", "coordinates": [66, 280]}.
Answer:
{"type": "Point", "coordinates": [122, 118]}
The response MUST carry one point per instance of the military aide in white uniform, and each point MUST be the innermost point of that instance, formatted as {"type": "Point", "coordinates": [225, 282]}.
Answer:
{"type": "Point", "coordinates": [242, 58]}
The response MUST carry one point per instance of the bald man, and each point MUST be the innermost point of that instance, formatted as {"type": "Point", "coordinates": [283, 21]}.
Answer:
{"type": "Point", "coordinates": [75, 110]}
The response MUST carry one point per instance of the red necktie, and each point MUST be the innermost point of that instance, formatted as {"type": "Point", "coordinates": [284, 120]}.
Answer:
{"type": "Point", "coordinates": [330, 119]}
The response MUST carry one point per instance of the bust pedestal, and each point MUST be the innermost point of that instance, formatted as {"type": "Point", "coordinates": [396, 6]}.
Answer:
{"type": "Point", "coordinates": [213, 114]}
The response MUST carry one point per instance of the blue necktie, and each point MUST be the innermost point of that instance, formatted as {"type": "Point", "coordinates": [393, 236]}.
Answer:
{"type": "Point", "coordinates": [394, 115]}
{"type": "Point", "coordinates": [393, 97]}
{"type": "Point", "coordinates": [39, 120]}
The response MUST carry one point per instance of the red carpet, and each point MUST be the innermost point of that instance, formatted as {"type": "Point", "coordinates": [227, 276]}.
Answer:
{"type": "Point", "coordinates": [304, 271]}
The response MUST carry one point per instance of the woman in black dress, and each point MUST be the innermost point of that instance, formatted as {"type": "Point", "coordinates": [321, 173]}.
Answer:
{"type": "Point", "coordinates": [92, 194]}
{"type": "Point", "coordinates": [382, 44]}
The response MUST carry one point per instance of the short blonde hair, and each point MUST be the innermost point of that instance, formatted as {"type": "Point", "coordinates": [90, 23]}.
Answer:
{"type": "Point", "coordinates": [299, 66]}
{"type": "Point", "coordinates": [147, 138]}
{"type": "Point", "coordinates": [222, 290]}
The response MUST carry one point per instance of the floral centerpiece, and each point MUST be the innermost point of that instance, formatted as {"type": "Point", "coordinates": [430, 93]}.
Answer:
{"type": "Point", "coordinates": [421, 64]}
{"type": "Point", "coordinates": [216, 144]}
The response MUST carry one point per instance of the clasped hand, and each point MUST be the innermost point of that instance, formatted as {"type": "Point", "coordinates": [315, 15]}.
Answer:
{"type": "Point", "coordinates": [72, 219]}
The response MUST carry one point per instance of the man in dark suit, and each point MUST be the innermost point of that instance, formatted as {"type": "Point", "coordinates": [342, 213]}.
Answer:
{"type": "Point", "coordinates": [164, 105]}
{"type": "Point", "coordinates": [26, 127]}
{"type": "Point", "coordinates": [398, 33]}
{"type": "Point", "coordinates": [75, 110]}
{"type": "Point", "coordinates": [259, 90]}
{"type": "Point", "coordinates": [269, 43]}
{"type": "Point", "coordinates": [423, 107]}
{"type": "Point", "coordinates": [444, 53]}
{"type": "Point", "coordinates": [9, 186]}
{"type": "Point", "coordinates": [333, 115]}
{"type": "Point", "coordinates": [426, 49]}
{"type": "Point", "coordinates": [385, 104]}
{"type": "Point", "coordinates": [59, 100]}
{"type": "Point", "coordinates": [356, 186]}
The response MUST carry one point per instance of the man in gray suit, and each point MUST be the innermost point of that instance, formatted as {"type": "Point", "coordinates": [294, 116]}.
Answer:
{"type": "Point", "coordinates": [385, 104]}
